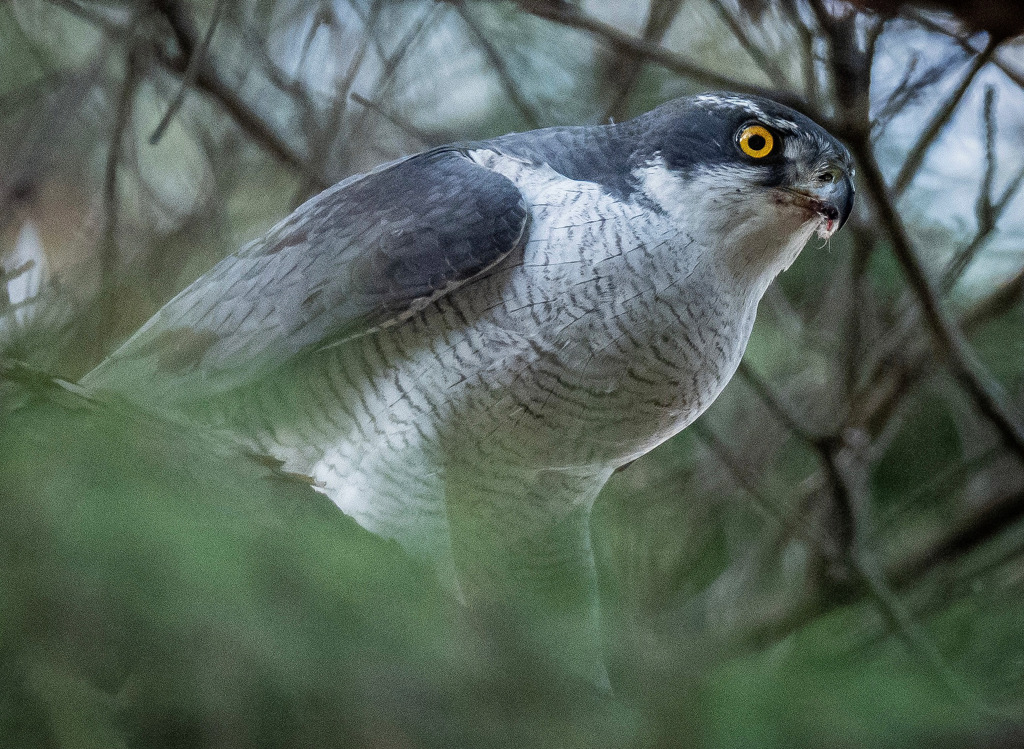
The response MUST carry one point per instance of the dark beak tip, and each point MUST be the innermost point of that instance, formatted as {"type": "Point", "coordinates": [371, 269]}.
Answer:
{"type": "Point", "coordinates": [846, 200]}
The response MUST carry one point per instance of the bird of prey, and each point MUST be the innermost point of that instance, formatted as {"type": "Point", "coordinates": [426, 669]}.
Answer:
{"type": "Point", "coordinates": [461, 346]}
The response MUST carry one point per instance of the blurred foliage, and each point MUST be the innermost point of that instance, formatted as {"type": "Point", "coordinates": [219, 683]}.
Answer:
{"type": "Point", "coordinates": [158, 591]}
{"type": "Point", "coordinates": [832, 557]}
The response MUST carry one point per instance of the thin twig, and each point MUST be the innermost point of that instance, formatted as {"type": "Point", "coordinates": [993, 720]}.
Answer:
{"type": "Point", "coordinates": [209, 81]}
{"type": "Point", "coordinates": [900, 622]}
{"type": "Point", "coordinates": [989, 213]}
{"type": "Point", "coordinates": [244, 116]}
{"type": "Point", "coordinates": [999, 302]}
{"type": "Point", "coordinates": [195, 61]}
{"type": "Point", "coordinates": [984, 208]}
{"type": "Point", "coordinates": [20, 270]}
{"type": "Point", "coordinates": [991, 519]}
{"type": "Point", "coordinates": [807, 60]}
{"type": "Point", "coordinates": [431, 15]}
{"type": "Point", "coordinates": [322, 138]}
{"type": "Point", "coordinates": [964, 364]}
{"type": "Point", "coordinates": [566, 15]}
{"type": "Point", "coordinates": [396, 120]}
{"type": "Point", "coordinates": [938, 123]}
{"type": "Point", "coordinates": [965, 44]}
{"type": "Point", "coordinates": [660, 16]}
{"type": "Point", "coordinates": [872, 581]}
{"type": "Point", "coordinates": [109, 257]}
{"type": "Point", "coordinates": [508, 81]}
{"type": "Point", "coordinates": [775, 404]}
{"type": "Point", "coordinates": [765, 62]}
{"type": "Point", "coordinates": [768, 508]}
{"type": "Point", "coordinates": [910, 89]}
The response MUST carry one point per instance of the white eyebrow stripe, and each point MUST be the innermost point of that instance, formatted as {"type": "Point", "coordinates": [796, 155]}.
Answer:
{"type": "Point", "coordinates": [748, 106]}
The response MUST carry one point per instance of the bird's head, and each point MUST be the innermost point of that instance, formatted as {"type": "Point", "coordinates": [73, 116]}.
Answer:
{"type": "Point", "coordinates": [758, 176]}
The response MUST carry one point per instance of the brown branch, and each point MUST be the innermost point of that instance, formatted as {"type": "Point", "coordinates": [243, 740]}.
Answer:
{"type": "Point", "coordinates": [781, 410]}
{"type": "Point", "coordinates": [766, 506]}
{"type": "Point", "coordinates": [999, 302]}
{"type": "Point", "coordinates": [109, 257]}
{"type": "Point", "coordinates": [965, 44]}
{"type": "Point", "coordinates": [793, 11]}
{"type": "Point", "coordinates": [938, 123]}
{"type": "Point", "coordinates": [768, 65]}
{"type": "Point", "coordinates": [239, 110]}
{"type": "Point", "coordinates": [209, 82]}
{"type": "Point", "coordinates": [966, 536]}
{"type": "Point", "coordinates": [322, 138]}
{"type": "Point", "coordinates": [964, 364]}
{"type": "Point", "coordinates": [660, 16]}
{"type": "Point", "coordinates": [848, 490]}
{"type": "Point", "coordinates": [566, 15]}
{"type": "Point", "coordinates": [508, 82]}
{"type": "Point", "coordinates": [207, 79]}
{"type": "Point", "coordinates": [980, 526]}
{"type": "Point", "coordinates": [385, 84]}
{"type": "Point", "coordinates": [988, 215]}
{"type": "Point", "coordinates": [896, 383]}
{"type": "Point", "coordinates": [987, 211]}
{"type": "Point", "coordinates": [195, 61]}
{"type": "Point", "coordinates": [406, 127]}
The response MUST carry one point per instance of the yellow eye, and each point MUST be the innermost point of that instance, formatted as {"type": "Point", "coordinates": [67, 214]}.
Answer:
{"type": "Point", "coordinates": [756, 141]}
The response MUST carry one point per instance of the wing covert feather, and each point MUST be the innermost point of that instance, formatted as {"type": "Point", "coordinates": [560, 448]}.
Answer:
{"type": "Point", "coordinates": [358, 256]}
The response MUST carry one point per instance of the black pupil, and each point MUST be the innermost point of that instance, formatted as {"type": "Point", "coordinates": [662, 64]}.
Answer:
{"type": "Point", "coordinates": [756, 142]}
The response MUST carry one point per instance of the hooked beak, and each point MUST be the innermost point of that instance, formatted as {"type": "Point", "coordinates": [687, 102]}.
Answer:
{"type": "Point", "coordinates": [833, 201]}
{"type": "Point", "coordinates": [842, 198]}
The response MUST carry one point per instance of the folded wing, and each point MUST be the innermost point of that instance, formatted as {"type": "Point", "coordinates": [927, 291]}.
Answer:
{"type": "Point", "coordinates": [364, 254]}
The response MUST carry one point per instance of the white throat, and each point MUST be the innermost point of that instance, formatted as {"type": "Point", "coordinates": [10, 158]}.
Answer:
{"type": "Point", "coordinates": [752, 236]}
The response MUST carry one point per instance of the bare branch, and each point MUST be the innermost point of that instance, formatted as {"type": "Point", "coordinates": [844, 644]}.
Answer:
{"type": "Point", "coordinates": [660, 16]}
{"type": "Point", "coordinates": [980, 526]}
{"type": "Point", "coordinates": [508, 82]}
{"type": "Point", "coordinates": [567, 15]}
{"type": "Point", "coordinates": [402, 124]}
{"type": "Point", "coordinates": [969, 372]}
{"type": "Point", "coordinates": [321, 138]}
{"type": "Point", "coordinates": [109, 258]}
{"type": "Point", "coordinates": [910, 89]}
{"type": "Point", "coordinates": [999, 302]}
{"type": "Point", "coordinates": [792, 9]}
{"type": "Point", "coordinates": [191, 71]}
{"type": "Point", "coordinates": [759, 56]}
{"type": "Point", "coordinates": [988, 212]}
{"type": "Point", "coordinates": [781, 410]}
{"type": "Point", "coordinates": [385, 84]}
{"type": "Point", "coordinates": [965, 44]}
{"type": "Point", "coordinates": [938, 123]}
{"type": "Point", "coordinates": [900, 622]}
{"type": "Point", "coordinates": [209, 81]}
{"type": "Point", "coordinates": [244, 116]}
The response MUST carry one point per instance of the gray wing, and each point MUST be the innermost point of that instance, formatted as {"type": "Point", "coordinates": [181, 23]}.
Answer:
{"type": "Point", "coordinates": [364, 253]}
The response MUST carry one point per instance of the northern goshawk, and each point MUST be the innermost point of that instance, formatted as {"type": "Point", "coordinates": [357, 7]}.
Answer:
{"type": "Point", "coordinates": [460, 347]}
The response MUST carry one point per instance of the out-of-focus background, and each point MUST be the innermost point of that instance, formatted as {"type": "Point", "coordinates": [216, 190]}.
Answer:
{"type": "Point", "coordinates": [833, 556]}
